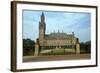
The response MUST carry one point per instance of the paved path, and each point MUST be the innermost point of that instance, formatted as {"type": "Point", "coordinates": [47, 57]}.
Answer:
{"type": "Point", "coordinates": [56, 57]}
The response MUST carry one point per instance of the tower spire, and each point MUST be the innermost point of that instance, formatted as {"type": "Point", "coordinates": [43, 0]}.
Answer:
{"type": "Point", "coordinates": [42, 17]}
{"type": "Point", "coordinates": [42, 27]}
{"type": "Point", "coordinates": [42, 14]}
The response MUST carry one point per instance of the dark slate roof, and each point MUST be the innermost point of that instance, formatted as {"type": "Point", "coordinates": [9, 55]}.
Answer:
{"type": "Point", "coordinates": [58, 35]}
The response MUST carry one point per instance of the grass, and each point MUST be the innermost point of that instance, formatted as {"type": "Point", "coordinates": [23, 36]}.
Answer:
{"type": "Point", "coordinates": [57, 51]}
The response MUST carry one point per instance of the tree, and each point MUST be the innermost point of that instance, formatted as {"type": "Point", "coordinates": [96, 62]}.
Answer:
{"type": "Point", "coordinates": [85, 47]}
{"type": "Point", "coordinates": [28, 47]}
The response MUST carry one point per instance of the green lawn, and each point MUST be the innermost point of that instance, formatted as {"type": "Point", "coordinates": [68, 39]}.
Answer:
{"type": "Point", "coordinates": [57, 51]}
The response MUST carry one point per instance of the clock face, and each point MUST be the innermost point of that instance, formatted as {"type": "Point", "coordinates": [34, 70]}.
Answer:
{"type": "Point", "coordinates": [42, 30]}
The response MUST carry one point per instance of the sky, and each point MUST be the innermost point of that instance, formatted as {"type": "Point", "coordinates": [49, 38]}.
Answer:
{"type": "Point", "coordinates": [68, 22]}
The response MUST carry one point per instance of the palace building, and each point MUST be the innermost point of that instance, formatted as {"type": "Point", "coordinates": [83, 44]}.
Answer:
{"type": "Point", "coordinates": [56, 39]}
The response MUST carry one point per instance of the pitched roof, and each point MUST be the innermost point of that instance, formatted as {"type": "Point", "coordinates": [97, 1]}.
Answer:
{"type": "Point", "coordinates": [58, 35]}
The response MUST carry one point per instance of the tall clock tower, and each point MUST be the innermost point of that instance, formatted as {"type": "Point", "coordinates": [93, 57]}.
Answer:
{"type": "Point", "coordinates": [42, 27]}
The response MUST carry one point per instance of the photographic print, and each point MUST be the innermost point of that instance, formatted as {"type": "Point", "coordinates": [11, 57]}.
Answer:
{"type": "Point", "coordinates": [47, 35]}
{"type": "Point", "coordinates": [53, 36]}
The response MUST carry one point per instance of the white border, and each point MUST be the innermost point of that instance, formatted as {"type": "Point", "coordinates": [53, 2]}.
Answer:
{"type": "Point", "coordinates": [21, 65]}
